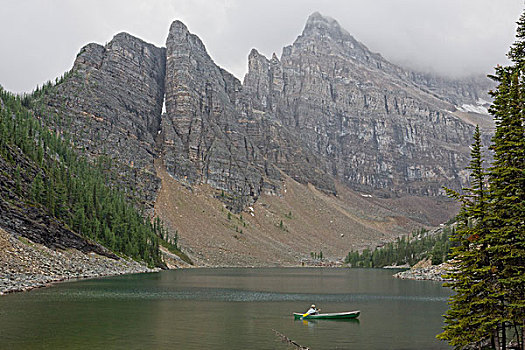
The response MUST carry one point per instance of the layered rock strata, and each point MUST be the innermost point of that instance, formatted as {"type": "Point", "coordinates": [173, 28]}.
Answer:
{"type": "Point", "coordinates": [202, 133]}
{"type": "Point", "coordinates": [111, 103]}
{"type": "Point", "coordinates": [368, 121]}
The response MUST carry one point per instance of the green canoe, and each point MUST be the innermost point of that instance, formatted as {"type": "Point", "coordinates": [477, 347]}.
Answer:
{"type": "Point", "coordinates": [333, 316]}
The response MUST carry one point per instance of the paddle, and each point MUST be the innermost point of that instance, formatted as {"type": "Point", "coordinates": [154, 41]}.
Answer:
{"type": "Point", "coordinates": [306, 314]}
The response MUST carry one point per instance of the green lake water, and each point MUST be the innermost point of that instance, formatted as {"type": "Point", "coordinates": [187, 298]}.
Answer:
{"type": "Point", "coordinates": [233, 308]}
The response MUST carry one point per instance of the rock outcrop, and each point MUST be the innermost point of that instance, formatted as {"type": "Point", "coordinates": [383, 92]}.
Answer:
{"type": "Point", "coordinates": [30, 221]}
{"type": "Point", "coordinates": [429, 273]}
{"type": "Point", "coordinates": [25, 265]}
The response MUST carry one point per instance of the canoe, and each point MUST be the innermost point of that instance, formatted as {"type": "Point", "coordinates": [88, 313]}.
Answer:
{"type": "Point", "coordinates": [332, 316]}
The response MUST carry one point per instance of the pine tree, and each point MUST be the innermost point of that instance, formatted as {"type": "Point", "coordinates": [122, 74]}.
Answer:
{"type": "Point", "coordinates": [468, 317]}
{"type": "Point", "coordinates": [507, 184]}
{"type": "Point", "coordinates": [489, 275]}
{"type": "Point", "coordinates": [517, 50]}
{"type": "Point", "coordinates": [37, 189]}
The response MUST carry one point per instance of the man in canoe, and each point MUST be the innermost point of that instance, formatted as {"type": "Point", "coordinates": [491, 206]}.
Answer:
{"type": "Point", "coordinates": [312, 311]}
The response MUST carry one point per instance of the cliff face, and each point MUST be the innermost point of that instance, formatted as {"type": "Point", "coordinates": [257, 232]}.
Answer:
{"type": "Point", "coordinates": [202, 133]}
{"type": "Point", "coordinates": [327, 110]}
{"type": "Point", "coordinates": [371, 123]}
{"type": "Point", "coordinates": [111, 104]}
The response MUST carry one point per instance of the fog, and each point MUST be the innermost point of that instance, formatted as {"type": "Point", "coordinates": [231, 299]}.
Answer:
{"type": "Point", "coordinates": [40, 39]}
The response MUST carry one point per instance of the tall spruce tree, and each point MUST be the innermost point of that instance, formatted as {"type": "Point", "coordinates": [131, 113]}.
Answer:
{"type": "Point", "coordinates": [489, 262]}
{"type": "Point", "coordinates": [467, 319]}
{"type": "Point", "coordinates": [507, 186]}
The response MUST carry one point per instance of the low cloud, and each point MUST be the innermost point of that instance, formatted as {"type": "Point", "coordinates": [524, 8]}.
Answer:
{"type": "Point", "coordinates": [455, 38]}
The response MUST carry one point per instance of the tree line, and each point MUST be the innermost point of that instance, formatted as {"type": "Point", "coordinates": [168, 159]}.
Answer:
{"type": "Point", "coordinates": [405, 250]}
{"type": "Point", "coordinates": [73, 189]}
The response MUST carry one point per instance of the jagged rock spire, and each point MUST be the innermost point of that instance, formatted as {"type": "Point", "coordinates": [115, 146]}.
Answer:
{"type": "Point", "coordinates": [320, 23]}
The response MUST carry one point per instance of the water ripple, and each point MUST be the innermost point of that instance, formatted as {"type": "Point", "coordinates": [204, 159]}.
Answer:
{"type": "Point", "coordinates": [233, 295]}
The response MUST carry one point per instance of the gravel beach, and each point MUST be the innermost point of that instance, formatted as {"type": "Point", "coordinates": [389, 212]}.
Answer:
{"type": "Point", "coordinates": [25, 265]}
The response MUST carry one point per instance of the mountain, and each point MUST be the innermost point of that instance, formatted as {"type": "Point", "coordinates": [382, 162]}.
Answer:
{"type": "Point", "coordinates": [373, 125]}
{"type": "Point", "coordinates": [111, 103]}
{"type": "Point", "coordinates": [342, 126]}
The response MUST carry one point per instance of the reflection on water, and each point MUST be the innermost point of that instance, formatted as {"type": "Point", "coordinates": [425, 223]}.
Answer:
{"type": "Point", "coordinates": [226, 309]}
{"type": "Point", "coordinates": [313, 322]}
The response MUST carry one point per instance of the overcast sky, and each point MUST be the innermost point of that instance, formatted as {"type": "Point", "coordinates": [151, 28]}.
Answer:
{"type": "Point", "coordinates": [40, 38]}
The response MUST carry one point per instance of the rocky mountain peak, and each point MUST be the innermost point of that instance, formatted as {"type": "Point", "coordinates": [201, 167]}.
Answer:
{"type": "Point", "coordinates": [179, 35]}
{"type": "Point", "coordinates": [256, 61]}
{"type": "Point", "coordinates": [320, 22]}
{"type": "Point", "coordinates": [324, 36]}
{"type": "Point", "coordinates": [254, 55]}
{"type": "Point", "coordinates": [113, 97]}
{"type": "Point", "coordinates": [318, 26]}
{"type": "Point", "coordinates": [133, 45]}
{"type": "Point", "coordinates": [124, 36]}
{"type": "Point", "coordinates": [178, 27]}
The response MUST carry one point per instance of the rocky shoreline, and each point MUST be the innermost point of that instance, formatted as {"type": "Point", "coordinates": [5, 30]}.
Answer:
{"type": "Point", "coordinates": [25, 265]}
{"type": "Point", "coordinates": [425, 273]}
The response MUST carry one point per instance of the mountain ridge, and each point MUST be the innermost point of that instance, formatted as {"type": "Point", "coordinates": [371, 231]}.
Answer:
{"type": "Point", "coordinates": [232, 94]}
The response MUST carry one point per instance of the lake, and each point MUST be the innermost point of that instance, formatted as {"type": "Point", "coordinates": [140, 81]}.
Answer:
{"type": "Point", "coordinates": [229, 308]}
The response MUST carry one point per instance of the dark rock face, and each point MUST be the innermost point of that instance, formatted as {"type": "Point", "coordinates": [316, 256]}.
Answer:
{"type": "Point", "coordinates": [30, 221]}
{"type": "Point", "coordinates": [215, 132]}
{"type": "Point", "coordinates": [328, 110]}
{"type": "Point", "coordinates": [203, 138]}
{"type": "Point", "coordinates": [113, 98]}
